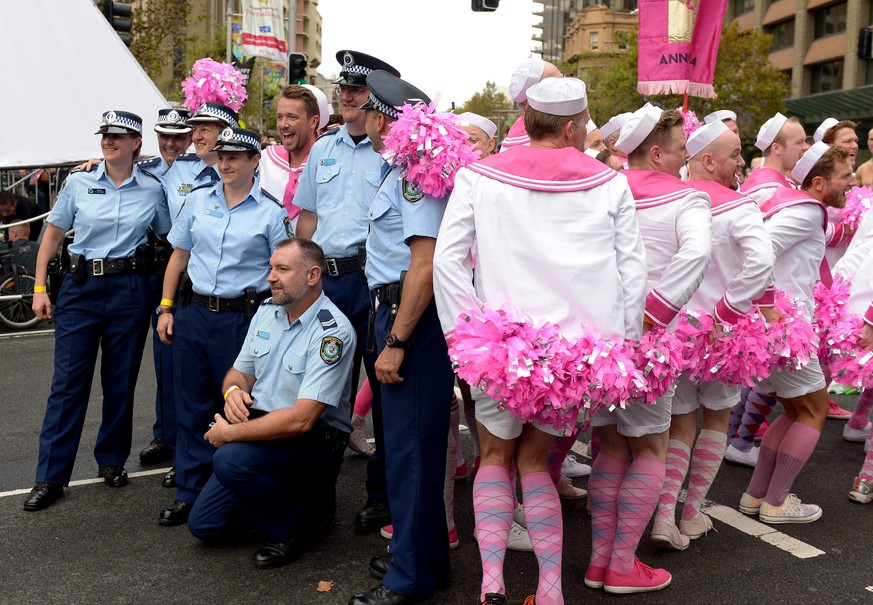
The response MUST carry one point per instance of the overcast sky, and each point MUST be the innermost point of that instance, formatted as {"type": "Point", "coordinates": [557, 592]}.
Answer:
{"type": "Point", "coordinates": [440, 46]}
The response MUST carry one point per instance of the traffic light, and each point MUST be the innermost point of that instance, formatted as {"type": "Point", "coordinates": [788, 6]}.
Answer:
{"type": "Point", "coordinates": [484, 6]}
{"type": "Point", "coordinates": [118, 15]}
{"type": "Point", "coordinates": [297, 68]}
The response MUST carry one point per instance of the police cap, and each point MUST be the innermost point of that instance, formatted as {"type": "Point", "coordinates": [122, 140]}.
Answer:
{"type": "Point", "coordinates": [356, 66]}
{"type": "Point", "coordinates": [387, 92]}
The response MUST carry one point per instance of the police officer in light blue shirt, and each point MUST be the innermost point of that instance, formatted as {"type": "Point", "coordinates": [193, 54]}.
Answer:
{"type": "Point", "coordinates": [223, 238]}
{"type": "Point", "coordinates": [287, 416]}
{"type": "Point", "coordinates": [413, 367]}
{"type": "Point", "coordinates": [103, 303]}
{"type": "Point", "coordinates": [191, 170]}
{"type": "Point", "coordinates": [335, 190]}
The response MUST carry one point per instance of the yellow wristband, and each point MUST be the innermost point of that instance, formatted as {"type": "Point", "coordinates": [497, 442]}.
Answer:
{"type": "Point", "coordinates": [38, 289]}
{"type": "Point", "coordinates": [230, 390]}
{"type": "Point", "coordinates": [167, 302]}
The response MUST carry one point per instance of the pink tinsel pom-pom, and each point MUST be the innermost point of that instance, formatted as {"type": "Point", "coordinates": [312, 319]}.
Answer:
{"type": "Point", "coordinates": [690, 121]}
{"type": "Point", "coordinates": [658, 357]}
{"type": "Point", "coordinates": [793, 342]}
{"type": "Point", "coordinates": [430, 146]}
{"type": "Point", "coordinates": [830, 309]}
{"type": "Point", "coordinates": [213, 82]}
{"type": "Point", "coordinates": [858, 201]}
{"type": "Point", "coordinates": [851, 365]}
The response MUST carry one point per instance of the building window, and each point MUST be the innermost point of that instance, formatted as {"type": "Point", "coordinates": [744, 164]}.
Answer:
{"type": "Point", "coordinates": [826, 77]}
{"type": "Point", "coordinates": [783, 35]}
{"type": "Point", "coordinates": [593, 39]}
{"type": "Point", "coordinates": [830, 20]}
{"type": "Point", "coordinates": [741, 7]}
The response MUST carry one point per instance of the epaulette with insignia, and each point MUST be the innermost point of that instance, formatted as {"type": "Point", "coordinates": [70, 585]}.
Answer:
{"type": "Point", "coordinates": [150, 163]}
{"type": "Point", "coordinates": [270, 196]}
{"type": "Point", "coordinates": [327, 319]}
{"type": "Point", "coordinates": [188, 157]}
{"type": "Point", "coordinates": [267, 301]}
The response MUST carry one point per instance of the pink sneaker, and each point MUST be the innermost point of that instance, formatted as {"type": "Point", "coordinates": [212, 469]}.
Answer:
{"type": "Point", "coordinates": [594, 576]}
{"type": "Point", "coordinates": [387, 532]}
{"type": "Point", "coordinates": [641, 578]}
{"type": "Point", "coordinates": [835, 411]}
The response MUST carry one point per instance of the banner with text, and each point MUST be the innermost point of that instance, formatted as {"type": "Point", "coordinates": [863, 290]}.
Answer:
{"type": "Point", "coordinates": [263, 30]}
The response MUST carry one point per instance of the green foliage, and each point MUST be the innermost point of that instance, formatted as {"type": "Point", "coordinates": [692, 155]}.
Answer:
{"type": "Point", "coordinates": [487, 103]}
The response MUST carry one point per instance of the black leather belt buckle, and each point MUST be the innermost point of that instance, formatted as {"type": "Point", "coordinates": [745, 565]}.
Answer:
{"type": "Point", "coordinates": [332, 268]}
{"type": "Point", "coordinates": [97, 267]}
{"type": "Point", "coordinates": [213, 303]}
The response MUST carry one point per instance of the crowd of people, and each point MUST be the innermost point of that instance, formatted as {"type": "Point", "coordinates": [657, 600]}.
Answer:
{"type": "Point", "coordinates": [274, 276]}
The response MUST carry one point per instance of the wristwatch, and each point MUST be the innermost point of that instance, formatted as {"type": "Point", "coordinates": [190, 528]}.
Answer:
{"type": "Point", "coordinates": [392, 341]}
{"type": "Point", "coordinates": [161, 310]}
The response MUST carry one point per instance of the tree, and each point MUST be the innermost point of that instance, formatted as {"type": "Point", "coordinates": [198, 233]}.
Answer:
{"type": "Point", "coordinates": [744, 81]}
{"type": "Point", "coordinates": [494, 105]}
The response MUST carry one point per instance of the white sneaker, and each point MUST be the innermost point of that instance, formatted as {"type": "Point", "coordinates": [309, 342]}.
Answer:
{"type": "Point", "coordinates": [518, 515]}
{"type": "Point", "coordinates": [737, 456]}
{"type": "Point", "coordinates": [519, 539]}
{"type": "Point", "coordinates": [357, 440]}
{"type": "Point", "coordinates": [573, 468]}
{"type": "Point", "coordinates": [568, 491]}
{"type": "Point", "coordinates": [667, 535]}
{"type": "Point", "coordinates": [790, 511]}
{"type": "Point", "coordinates": [861, 491]}
{"type": "Point", "coordinates": [750, 505]}
{"type": "Point", "coordinates": [694, 528]}
{"type": "Point", "coordinates": [857, 435]}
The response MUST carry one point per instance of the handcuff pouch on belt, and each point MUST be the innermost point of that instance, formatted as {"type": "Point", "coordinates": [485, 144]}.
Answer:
{"type": "Point", "coordinates": [78, 271]}
{"type": "Point", "coordinates": [55, 277]}
{"type": "Point", "coordinates": [184, 290]}
{"type": "Point", "coordinates": [389, 295]}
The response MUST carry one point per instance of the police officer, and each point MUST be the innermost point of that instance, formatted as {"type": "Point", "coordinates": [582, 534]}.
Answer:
{"type": "Point", "coordinates": [174, 137]}
{"type": "Point", "coordinates": [287, 410]}
{"type": "Point", "coordinates": [334, 193]}
{"type": "Point", "coordinates": [103, 303]}
{"type": "Point", "coordinates": [223, 237]}
{"type": "Point", "coordinates": [413, 367]}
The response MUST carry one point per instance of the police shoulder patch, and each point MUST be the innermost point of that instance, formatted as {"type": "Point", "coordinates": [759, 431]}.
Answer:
{"type": "Point", "coordinates": [411, 193]}
{"type": "Point", "coordinates": [289, 228]}
{"type": "Point", "coordinates": [331, 349]}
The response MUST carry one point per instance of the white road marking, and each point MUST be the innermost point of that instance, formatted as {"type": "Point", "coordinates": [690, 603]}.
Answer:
{"type": "Point", "coordinates": [28, 333]}
{"type": "Point", "coordinates": [155, 471]}
{"type": "Point", "coordinates": [748, 525]}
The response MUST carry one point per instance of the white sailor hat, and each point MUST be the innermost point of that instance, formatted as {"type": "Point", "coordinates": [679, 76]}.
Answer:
{"type": "Point", "coordinates": [238, 139]}
{"type": "Point", "coordinates": [806, 163]}
{"type": "Point", "coordinates": [388, 92]}
{"type": "Point", "coordinates": [638, 126]}
{"type": "Point", "coordinates": [120, 122]}
{"type": "Point", "coordinates": [356, 66]}
{"type": "Point", "coordinates": [769, 131]}
{"type": "Point", "coordinates": [484, 124]}
{"type": "Point", "coordinates": [590, 126]}
{"type": "Point", "coordinates": [526, 75]}
{"type": "Point", "coordinates": [215, 113]}
{"type": "Point", "coordinates": [173, 121]}
{"type": "Point", "coordinates": [614, 124]}
{"type": "Point", "coordinates": [324, 108]}
{"type": "Point", "coordinates": [718, 116]}
{"type": "Point", "coordinates": [823, 128]}
{"type": "Point", "coordinates": [701, 138]}
{"type": "Point", "coordinates": [558, 96]}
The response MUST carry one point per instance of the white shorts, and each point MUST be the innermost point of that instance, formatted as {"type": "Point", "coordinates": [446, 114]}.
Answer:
{"type": "Point", "coordinates": [639, 419]}
{"type": "Point", "coordinates": [501, 423]}
{"type": "Point", "coordinates": [804, 381]}
{"type": "Point", "coordinates": [690, 396]}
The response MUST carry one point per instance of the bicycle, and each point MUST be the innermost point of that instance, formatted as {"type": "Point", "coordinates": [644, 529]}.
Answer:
{"type": "Point", "coordinates": [16, 292]}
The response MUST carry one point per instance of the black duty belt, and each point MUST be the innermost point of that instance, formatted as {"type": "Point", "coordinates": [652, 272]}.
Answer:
{"type": "Point", "coordinates": [341, 266]}
{"type": "Point", "coordinates": [110, 266]}
{"type": "Point", "coordinates": [216, 304]}
{"type": "Point", "coordinates": [389, 294]}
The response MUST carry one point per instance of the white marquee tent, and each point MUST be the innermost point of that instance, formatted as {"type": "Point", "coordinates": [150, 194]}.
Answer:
{"type": "Point", "coordinates": [65, 66]}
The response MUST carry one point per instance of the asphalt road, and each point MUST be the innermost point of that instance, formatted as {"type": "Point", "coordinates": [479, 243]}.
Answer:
{"type": "Point", "coordinates": [102, 545]}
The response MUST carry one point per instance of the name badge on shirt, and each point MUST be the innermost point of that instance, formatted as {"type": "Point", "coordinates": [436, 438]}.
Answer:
{"type": "Point", "coordinates": [214, 213]}
{"type": "Point", "coordinates": [185, 188]}
{"type": "Point", "coordinates": [328, 161]}
{"type": "Point", "coordinates": [262, 334]}
{"type": "Point", "coordinates": [94, 191]}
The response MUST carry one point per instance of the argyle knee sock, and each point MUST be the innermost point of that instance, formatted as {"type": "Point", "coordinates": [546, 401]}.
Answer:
{"type": "Point", "coordinates": [607, 474]}
{"type": "Point", "coordinates": [796, 448]}
{"type": "Point", "coordinates": [493, 503]}
{"type": "Point", "coordinates": [561, 446]}
{"type": "Point", "coordinates": [636, 502]}
{"type": "Point", "coordinates": [737, 414]}
{"type": "Point", "coordinates": [759, 405]}
{"type": "Point", "coordinates": [861, 413]}
{"type": "Point", "coordinates": [545, 525]}
{"type": "Point", "coordinates": [705, 462]}
{"type": "Point", "coordinates": [678, 455]}
{"type": "Point", "coordinates": [767, 457]}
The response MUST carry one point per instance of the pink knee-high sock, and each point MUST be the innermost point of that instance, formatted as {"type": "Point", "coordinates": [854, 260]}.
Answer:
{"type": "Point", "coordinates": [767, 458]}
{"type": "Point", "coordinates": [867, 468]}
{"type": "Point", "coordinates": [705, 462]}
{"type": "Point", "coordinates": [493, 503]}
{"type": "Point", "coordinates": [542, 513]}
{"type": "Point", "coordinates": [559, 450]}
{"type": "Point", "coordinates": [861, 413]}
{"type": "Point", "coordinates": [796, 448]}
{"type": "Point", "coordinates": [636, 502]}
{"type": "Point", "coordinates": [607, 474]}
{"type": "Point", "coordinates": [678, 456]}
{"type": "Point", "coordinates": [364, 400]}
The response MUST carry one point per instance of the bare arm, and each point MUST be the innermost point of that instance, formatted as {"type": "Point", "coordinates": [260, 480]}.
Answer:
{"type": "Point", "coordinates": [306, 224]}
{"type": "Point", "coordinates": [177, 264]}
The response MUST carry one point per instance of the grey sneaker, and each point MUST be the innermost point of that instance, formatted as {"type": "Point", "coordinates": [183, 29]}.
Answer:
{"type": "Point", "coordinates": [861, 491]}
{"type": "Point", "coordinates": [750, 505]}
{"type": "Point", "coordinates": [357, 440]}
{"type": "Point", "coordinates": [790, 511]}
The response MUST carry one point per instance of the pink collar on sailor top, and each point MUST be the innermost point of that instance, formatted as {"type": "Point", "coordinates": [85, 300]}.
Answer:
{"type": "Point", "coordinates": [651, 188]}
{"type": "Point", "coordinates": [517, 135]}
{"type": "Point", "coordinates": [721, 198]}
{"type": "Point", "coordinates": [764, 177]}
{"type": "Point", "coordinates": [785, 198]}
{"type": "Point", "coordinates": [279, 156]}
{"type": "Point", "coordinates": [538, 169]}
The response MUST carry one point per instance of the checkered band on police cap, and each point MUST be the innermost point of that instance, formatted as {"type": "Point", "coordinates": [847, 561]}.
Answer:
{"type": "Point", "coordinates": [120, 122]}
{"type": "Point", "coordinates": [173, 121]}
{"type": "Point", "coordinates": [375, 103]}
{"type": "Point", "coordinates": [215, 112]}
{"type": "Point", "coordinates": [238, 139]}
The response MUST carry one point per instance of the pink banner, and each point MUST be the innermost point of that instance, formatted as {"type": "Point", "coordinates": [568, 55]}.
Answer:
{"type": "Point", "coordinates": [678, 46]}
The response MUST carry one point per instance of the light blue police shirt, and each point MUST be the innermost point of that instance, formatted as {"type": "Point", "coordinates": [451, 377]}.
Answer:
{"type": "Point", "coordinates": [338, 183]}
{"type": "Point", "coordinates": [230, 248]}
{"type": "Point", "coordinates": [110, 221]}
{"type": "Point", "coordinates": [186, 174]}
{"type": "Point", "coordinates": [310, 358]}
